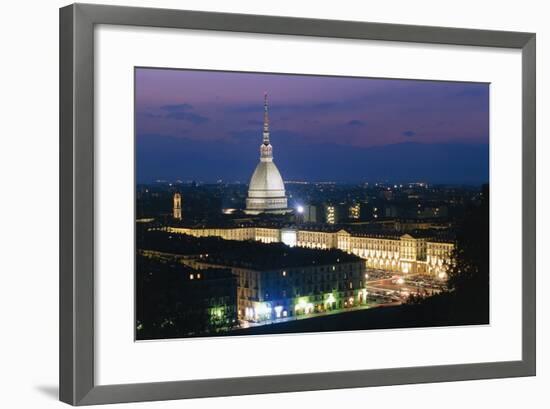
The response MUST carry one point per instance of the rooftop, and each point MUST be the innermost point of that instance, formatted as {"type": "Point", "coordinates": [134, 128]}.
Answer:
{"type": "Point", "coordinates": [278, 256]}
{"type": "Point", "coordinates": [253, 255]}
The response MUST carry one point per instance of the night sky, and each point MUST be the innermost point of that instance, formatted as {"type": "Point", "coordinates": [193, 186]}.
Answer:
{"type": "Point", "coordinates": [206, 126]}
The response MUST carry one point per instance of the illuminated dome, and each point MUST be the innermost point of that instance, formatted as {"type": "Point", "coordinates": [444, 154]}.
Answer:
{"type": "Point", "coordinates": [266, 192]}
{"type": "Point", "coordinates": [266, 181]}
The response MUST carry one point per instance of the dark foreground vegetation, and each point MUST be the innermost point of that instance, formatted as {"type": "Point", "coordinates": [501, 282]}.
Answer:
{"type": "Point", "coordinates": [468, 295]}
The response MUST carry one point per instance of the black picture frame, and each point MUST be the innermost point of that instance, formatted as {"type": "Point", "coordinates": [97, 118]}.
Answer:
{"type": "Point", "coordinates": [77, 384]}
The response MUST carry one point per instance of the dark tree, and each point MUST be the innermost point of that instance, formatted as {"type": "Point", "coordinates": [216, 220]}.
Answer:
{"type": "Point", "coordinates": [467, 300]}
{"type": "Point", "coordinates": [469, 277]}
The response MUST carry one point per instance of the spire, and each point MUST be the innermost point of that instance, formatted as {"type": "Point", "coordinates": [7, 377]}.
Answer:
{"type": "Point", "coordinates": [266, 150]}
{"type": "Point", "coordinates": [266, 121]}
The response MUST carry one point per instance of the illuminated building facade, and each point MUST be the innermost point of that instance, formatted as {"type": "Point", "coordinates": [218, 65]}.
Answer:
{"type": "Point", "coordinates": [354, 211]}
{"type": "Point", "coordinates": [438, 258]}
{"type": "Point", "coordinates": [333, 213]}
{"type": "Point", "coordinates": [177, 206]}
{"type": "Point", "coordinates": [400, 253]}
{"type": "Point", "coordinates": [287, 292]}
{"type": "Point", "coordinates": [330, 214]}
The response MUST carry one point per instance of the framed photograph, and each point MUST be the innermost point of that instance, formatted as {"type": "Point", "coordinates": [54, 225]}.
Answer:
{"type": "Point", "coordinates": [256, 204]}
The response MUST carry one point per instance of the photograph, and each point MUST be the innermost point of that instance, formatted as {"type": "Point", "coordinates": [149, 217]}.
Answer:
{"type": "Point", "coordinates": [274, 203]}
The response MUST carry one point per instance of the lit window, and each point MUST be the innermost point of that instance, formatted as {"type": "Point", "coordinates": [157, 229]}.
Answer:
{"type": "Point", "coordinates": [191, 276]}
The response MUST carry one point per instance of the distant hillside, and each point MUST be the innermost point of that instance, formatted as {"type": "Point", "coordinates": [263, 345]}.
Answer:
{"type": "Point", "coordinates": [167, 157]}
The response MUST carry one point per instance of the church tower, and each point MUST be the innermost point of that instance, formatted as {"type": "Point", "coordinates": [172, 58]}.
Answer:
{"type": "Point", "coordinates": [266, 191]}
{"type": "Point", "coordinates": [177, 206]}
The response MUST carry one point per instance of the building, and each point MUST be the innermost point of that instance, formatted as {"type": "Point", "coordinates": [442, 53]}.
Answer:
{"type": "Point", "coordinates": [438, 258]}
{"type": "Point", "coordinates": [177, 206]}
{"type": "Point", "coordinates": [407, 225]}
{"type": "Point", "coordinates": [307, 214]}
{"type": "Point", "coordinates": [266, 191]}
{"type": "Point", "coordinates": [279, 289]}
{"type": "Point", "coordinates": [212, 293]}
{"type": "Point", "coordinates": [354, 211]}
{"type": "Point", "coordinates": [333, 214]}
{"type": "Point", "coordinates": [418, 252]}
{"type": "Point", "coordinates": [279, 293]}
{"type": "Point", "coordinates": [185, 301]}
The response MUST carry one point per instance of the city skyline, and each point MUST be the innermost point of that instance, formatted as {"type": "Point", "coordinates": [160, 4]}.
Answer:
{"type": "Point", "coordinates": [270, 256]}
{"type": "Point", "coordinates": [207, 126]}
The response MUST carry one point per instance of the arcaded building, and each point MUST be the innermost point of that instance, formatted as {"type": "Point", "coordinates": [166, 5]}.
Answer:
{"type": "Point", "coordinates": [410, 253]}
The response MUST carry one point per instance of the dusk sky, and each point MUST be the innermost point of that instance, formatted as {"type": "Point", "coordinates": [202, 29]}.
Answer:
{"type": "Point", "coordinates": [206, 125]}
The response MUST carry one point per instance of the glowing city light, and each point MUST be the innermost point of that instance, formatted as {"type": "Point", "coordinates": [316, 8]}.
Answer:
{"type": "Point", "coordinates": [300, 209]}
{"type": "Point", "coordinates": [262, 309]}
{"type": "Point", "coordinates": [302, 304]}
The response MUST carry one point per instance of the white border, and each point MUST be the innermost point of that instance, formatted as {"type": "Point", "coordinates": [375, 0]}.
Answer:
{"type": "Point", "coordinates": [120, 360]}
